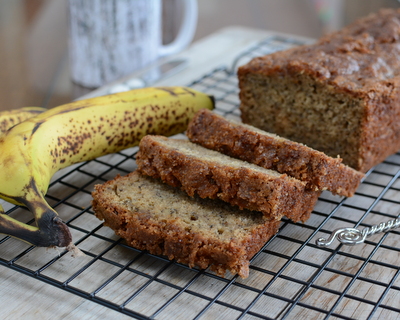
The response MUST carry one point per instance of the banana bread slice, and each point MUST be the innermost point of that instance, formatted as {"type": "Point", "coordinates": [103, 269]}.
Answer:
{"type": "Point", "coordinates": [151, 215]}
{"type": "Point", "coordinates": [210, 174]}
{"type": "Point", "coordinates": [270, 151]}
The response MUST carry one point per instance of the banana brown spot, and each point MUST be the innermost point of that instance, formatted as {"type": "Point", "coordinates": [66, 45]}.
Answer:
{"type": "Point", "coordinates": [171, 92]}
{"type": "Point", "coordinates": [189, 91]}
{"type": "Point", "coordinates": [133, 124]}
{"type": "Point", "coordinates": [36, 127]}
{"type": "Point", "coordinates": [154, 108]}
{"type": "Point", "coordinates": [110, 140]}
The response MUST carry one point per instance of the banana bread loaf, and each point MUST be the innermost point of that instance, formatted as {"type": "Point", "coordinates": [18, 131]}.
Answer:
{"type": "Point", "coordinates": [340, 95]}
{"type": "Point", "coordinates": [210, 174]}
{"type": "Point", "coordinates": [270, 151]}
{"type": "Point", "coordinates": [153, 216]}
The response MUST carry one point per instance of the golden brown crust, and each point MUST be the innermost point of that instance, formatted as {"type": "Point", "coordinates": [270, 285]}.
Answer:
{"type": "Point", "coordinates": [209, 174]}
{"type": "Point", "coordinates": [116, 204]}
{"type": "Point", "coordinates": [355, 59]}
{"type": "Point", "coordinates": [272, 152]}
{"type": "Point", "coordinates": [352, 73]}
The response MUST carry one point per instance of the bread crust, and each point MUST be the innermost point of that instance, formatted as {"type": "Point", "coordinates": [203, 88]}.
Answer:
{"type": "Point", "coordinates": [269, 151]}
{"type": "Point", "coordinates": [210, 174]}
{"type": "Point", "coordinates": [144, 229]}
{"type": "Point", "coordinates": [352, 73]}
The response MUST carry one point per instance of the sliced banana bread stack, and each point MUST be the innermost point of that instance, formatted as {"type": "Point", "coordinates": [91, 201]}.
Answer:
{"type": "Point", "coordinates": [214, 208]}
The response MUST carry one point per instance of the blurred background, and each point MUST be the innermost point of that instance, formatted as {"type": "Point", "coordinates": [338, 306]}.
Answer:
{"type": "Point", "coordinates": [34, 37]}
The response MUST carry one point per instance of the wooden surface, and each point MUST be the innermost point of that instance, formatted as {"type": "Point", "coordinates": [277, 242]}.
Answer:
{"type": "Point", "coordinates": [349, 280]}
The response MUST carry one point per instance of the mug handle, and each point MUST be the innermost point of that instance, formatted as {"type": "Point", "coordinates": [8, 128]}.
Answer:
{"type": "Point", "coordinates": [186, 31]}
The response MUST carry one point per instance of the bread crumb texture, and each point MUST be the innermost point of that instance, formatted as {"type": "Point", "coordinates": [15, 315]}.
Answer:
{"type": "Point", "coordinates": [248, 143]}
{"type": "Point", "coordinates": [210, 174]}
{"type": "Point", "coordinates": [164, 220]}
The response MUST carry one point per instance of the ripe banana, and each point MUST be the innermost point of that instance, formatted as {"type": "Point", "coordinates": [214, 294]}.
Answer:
{"type": "Point", "coordinates": [10, 118]}
{"type": "Point", "coordinates": [33, 150]}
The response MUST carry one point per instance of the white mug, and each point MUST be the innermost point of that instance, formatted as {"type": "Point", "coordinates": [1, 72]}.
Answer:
{"type": "Point", "coordinates": [112, 38]}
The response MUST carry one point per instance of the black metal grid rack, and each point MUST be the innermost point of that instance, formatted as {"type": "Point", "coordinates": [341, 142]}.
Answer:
{"type": "Point", "coordinates": [290, 278]}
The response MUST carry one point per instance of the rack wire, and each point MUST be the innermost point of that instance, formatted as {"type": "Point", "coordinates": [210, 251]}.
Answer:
{"type": "Point", "coordinates": [290, 278]}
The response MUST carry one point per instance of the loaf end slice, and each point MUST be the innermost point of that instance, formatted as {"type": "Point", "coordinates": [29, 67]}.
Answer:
{"type": "Point", "coordinates": [271, 151]}
{"type": "Point", "coordinates": [153, 216]}
{"type": "Point", "coordinates": [211, 174]}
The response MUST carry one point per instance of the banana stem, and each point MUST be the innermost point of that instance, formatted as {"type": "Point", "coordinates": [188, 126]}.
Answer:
{"type": "Point", "coordinates": [31, 234]}
{"type": "Point", "coordinates": [53, 231]}
{"type": "Point", "coordinates": [56, 235]}
{"type": "Point", "coordinates": [50, 231]}
{"type": "Point", "coordinates": [17, 229]}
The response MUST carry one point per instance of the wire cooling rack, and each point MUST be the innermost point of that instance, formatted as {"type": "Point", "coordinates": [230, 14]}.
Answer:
{"type": "Point", "coordinates": [290, 278]}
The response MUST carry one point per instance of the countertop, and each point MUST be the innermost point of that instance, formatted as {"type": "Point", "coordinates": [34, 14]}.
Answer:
{"type": "Point", "coordinates": [290, 278]}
